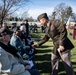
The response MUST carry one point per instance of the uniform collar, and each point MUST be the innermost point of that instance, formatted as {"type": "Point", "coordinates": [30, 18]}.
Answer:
{"type": "Point", "coordinates": [48, 24]}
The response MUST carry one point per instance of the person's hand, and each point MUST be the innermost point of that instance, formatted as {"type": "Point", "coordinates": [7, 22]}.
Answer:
{"type": "Point", "coordinates": [28, 67]}
{"type": "Point", "coordinates": [61, 48]}
{"type": "Point", "coordinates": [34, 45]}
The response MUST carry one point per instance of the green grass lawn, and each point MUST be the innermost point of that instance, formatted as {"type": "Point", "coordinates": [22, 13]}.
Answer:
{"type": "Point", "coordinates": [43, 56]}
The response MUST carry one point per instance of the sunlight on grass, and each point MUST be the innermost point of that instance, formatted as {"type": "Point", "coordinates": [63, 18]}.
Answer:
{"type": "Point", "coordinates": [43, 56]}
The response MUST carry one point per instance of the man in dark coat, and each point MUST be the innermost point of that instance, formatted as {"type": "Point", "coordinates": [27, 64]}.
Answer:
{"type": "Point", "coordinates": [62, 45]}
{"type": "Point", "coordinates": [27, 28]}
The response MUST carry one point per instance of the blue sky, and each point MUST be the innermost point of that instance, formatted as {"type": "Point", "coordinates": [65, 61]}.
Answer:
{"type": "Point", "coordinates": [36, 7]}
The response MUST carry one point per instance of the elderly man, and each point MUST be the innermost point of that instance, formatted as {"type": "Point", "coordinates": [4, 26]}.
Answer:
{"type": "Point", "coordinates": [10, 64]}
{"type": "Point", "coordinates": [62, 45]}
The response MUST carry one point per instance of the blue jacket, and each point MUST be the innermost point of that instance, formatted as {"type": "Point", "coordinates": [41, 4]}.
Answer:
{"type": "Point", "coordinates": [17, 43]}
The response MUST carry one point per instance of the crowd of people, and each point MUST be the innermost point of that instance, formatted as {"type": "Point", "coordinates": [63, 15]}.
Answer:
{"type": "Point", "coordinates": [17, 50]}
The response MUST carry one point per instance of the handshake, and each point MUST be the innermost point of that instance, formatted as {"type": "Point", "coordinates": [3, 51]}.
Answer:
{"type": "Point", "coordinates": [35, 45]}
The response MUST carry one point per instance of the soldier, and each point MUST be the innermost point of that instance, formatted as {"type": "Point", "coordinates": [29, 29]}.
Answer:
{"type": "Point", "coordinates": [62, 45]}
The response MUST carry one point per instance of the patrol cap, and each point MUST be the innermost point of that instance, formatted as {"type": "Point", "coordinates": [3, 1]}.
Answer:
{"type": "Point", "coordinates": [43, 15]}
{"type": "Point", "coordinates": [17, 29]}
{"type": "Point", "coordinates": [5, 32]}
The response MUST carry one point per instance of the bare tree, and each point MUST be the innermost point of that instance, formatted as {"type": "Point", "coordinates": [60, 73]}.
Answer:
{"type": "Point", "coordinates": [73, 16]}
{"type": "Point", "coordinates": [68, 11]}
{"type": "Point", "coordinates": [62, 11]}
{"type": "Point", "coordinates": [9, 6]}
{"type": "Point", "coordinates": [24, 15]}
{"type": "Point", "coordinates": [52, 16]}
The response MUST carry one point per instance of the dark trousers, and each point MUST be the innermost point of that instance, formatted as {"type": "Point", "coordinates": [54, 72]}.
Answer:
{"type": "Point", "coordinates": [34, 72]}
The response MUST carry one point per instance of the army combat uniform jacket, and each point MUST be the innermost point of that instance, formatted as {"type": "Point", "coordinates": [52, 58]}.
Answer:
{"type": "Point", "coordinates": [58, 33]}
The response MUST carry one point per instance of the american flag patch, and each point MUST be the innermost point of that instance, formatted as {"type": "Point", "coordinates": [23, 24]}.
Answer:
{"type": "Point", "coordinates": [14, 39]}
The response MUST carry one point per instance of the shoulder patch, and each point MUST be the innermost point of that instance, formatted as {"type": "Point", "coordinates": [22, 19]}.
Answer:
{"type": "Point", "coordinates": [57, 23]}
{"type": "Point", "coordinates": [14, 39]}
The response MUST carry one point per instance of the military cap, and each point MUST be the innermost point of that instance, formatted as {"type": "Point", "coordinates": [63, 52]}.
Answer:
{"type": "Point", "coordinates": [43, 15]}
{"type": "Point", "coordinates": [5, 32]}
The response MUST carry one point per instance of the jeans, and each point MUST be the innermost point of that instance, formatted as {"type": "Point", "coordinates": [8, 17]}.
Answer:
{"type": "Point", "coordinates": [34, 72]}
